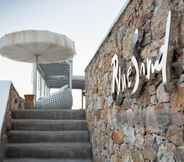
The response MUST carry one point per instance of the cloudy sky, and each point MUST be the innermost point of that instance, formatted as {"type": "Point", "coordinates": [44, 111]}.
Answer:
{"type": "Point", "coordinates": [84, 21]}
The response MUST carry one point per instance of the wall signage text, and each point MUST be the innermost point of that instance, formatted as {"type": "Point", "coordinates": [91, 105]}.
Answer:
{"type": "Point", "coordinates": [121, 80]}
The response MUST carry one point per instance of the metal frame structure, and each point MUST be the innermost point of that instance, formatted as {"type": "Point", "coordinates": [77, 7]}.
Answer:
{"type": "Point", "coordinates": [56, 75]}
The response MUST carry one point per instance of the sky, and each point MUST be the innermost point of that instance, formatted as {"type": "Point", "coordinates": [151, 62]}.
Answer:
{"type": "Point", "coordinates": [86, 22]}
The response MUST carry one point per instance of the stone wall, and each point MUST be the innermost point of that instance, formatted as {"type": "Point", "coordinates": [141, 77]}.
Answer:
{"type": "Point", "coordinates": [15, 102]}
{"type": "Point", "coordinates": [148, 126]}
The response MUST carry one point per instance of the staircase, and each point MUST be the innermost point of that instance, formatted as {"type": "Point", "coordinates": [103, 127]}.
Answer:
{"type": "Point", "coordinates": [48, 136]}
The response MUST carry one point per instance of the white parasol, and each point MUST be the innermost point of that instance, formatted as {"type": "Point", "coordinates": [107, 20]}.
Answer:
{"type": "Point", "coordinates": [36, 46]}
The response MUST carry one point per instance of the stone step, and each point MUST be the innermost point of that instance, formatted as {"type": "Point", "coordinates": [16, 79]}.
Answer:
{"type": "Point", "coordinates": [47, 136]}
{"type": "Point", "coordinates": [48, 125]}
{"type": "Point", "coordinates": [49, 114]}
{"type": "Point", "coordinates": [49, 150]}
{"type": "Point", "coordinates": [47, 160]}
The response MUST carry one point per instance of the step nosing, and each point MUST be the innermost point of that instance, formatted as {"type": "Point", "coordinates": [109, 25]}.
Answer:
{"type": "Point", "coordinates": [50, 143]}
{"type": "Point", "coordinates": [50, 120]}
{"type": "Point", "coordinates": [55, 115]}
{"type": "Point", "coordinates": [41, 145]}
{"type": "Point", "coordinates": [47, 160]}
{"type": "Point", "coordinates": [37, 131]}
{"type": "Point", "coordinates": [42, 159]}
{"type": "Point", "coordinates": [49, 110]}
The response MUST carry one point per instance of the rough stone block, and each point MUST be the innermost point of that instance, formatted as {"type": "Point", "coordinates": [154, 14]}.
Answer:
{"type": "Point", "coordinates": [166, 153]}
{"type": "Point", "coordinates": [177, 99]}
{"type": "Point", "coordinates": [149, 153]}
{"type": "Point", "coordinates": [175, 135]}
{"type": "Point", "coordinates": [162, 95]}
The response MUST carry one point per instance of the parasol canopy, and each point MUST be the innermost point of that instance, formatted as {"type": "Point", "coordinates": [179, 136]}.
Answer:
{"type": "Point", "coordinates": [39, 47]}
{"type": "Point", "coordinates": [48, 46]}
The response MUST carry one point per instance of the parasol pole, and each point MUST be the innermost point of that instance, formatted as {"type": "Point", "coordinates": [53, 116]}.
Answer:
{"type": "Point", "coordinates": [35, 76]}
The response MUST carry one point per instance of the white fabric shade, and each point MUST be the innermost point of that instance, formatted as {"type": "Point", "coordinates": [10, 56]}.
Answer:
{"type": "Point", "coordinates": [24, 45]}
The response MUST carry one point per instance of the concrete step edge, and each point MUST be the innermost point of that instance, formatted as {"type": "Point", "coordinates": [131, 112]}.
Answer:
{"type": "Point", "coordinates": [46, 120]}
{"type": "Point", "coordinates": [46, 160]}
{"type": "Point", "coordinates": [47, 136]}
{"type": "Point", "coordinates": [48, 115]}
{"type": "Point", "coordinates": [49, 150]}
{"type": "Point", "coordinates": [49, 110]}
